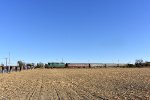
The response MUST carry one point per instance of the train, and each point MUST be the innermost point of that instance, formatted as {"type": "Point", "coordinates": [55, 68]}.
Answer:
{"type": "Point", "coordinates": [67, 65]}
{"type": "Point", "coordinates": [82, 65]}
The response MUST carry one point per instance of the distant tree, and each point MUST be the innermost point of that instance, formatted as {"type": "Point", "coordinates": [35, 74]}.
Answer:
{"type": "Point", "coordinates": [33, 65]}
{"type": "Point", "coordinates": [21, 64]}
{"type": "Point", "coordinates": [29, 65]}
{"type": "Point", "coordinates": [147, 63]}
{"type": "Point", "coordinates": [105, 65]}
{"type": "Point", "coordinates": [129, 66]}
{"type": "Point", "coordinates": [46, 66]}
{"type": "Point", "coordinates": [40, 65]}
{"type": "Point", "coordinates": [139, 63]}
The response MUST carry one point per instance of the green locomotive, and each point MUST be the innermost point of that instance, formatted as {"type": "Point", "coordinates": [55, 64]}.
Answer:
{"type": "Point", "coordinates": [56, 65]}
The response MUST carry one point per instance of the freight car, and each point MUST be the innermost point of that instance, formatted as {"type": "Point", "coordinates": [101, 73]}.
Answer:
{"type": "Point", "coordinates": [77, 65]}
{"type": "Point", "coordinates": [98, 65]}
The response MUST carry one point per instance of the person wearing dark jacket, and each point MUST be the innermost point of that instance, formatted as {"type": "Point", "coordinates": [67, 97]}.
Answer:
{"type": "Point", "coordinates": [7, 68]}
{"type": "Point", "coordinates": [10, 69]}
{"type": "Point", "coordinates": [16, 68]}
{"type": "Point", "coordinates": [3, 68]}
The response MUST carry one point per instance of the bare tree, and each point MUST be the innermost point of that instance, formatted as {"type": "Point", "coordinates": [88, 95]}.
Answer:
{"type": "Point", "coordinates": [139, 63]}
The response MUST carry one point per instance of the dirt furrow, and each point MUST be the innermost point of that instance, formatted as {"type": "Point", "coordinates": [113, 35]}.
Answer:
{"type": "Point", "coordinates": [76, 84]}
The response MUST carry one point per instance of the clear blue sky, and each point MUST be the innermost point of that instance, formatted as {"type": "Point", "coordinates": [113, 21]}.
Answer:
{"type": "Point", "coordinates": [75, 30]}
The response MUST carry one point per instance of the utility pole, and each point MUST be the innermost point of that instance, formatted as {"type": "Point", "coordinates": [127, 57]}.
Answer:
{"type": "Point", "coordinates": [88, 61]}
{"type": "Point", "coordinates": [6, 61]}
{"type": "Point", "coordinates": [118, 62]}
{"type": "Point", "coordinates": [9, 60]}
{"type": "Point", "coordinates": [62, 60]}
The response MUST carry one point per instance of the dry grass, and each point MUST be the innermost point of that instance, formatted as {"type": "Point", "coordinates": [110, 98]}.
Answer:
{"type": "Point", "coordinates": [76, 84]}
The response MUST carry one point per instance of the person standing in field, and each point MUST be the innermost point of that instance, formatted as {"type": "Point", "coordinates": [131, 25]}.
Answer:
{"type": "Point", "coordinates": [7, 68]}
{"type": "Point", "coordinates": [10, 69]}
{"type": "Point", "coordinates": [3, 68]}
{"type": "Point", "coordinates": [16, 68]}
{"type": "Point", "coordinates": [89, 65]}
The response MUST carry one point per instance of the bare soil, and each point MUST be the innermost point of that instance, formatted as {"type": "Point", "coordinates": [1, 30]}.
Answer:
{"type": "Point", "coordinates": [76, 84]}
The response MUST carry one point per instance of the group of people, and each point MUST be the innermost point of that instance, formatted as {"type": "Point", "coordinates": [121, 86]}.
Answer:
{"type": "Point", "coordinates": [8, 69]}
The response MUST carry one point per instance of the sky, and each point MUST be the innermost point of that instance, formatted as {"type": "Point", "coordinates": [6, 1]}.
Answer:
{"type": "Point", "coordinates": [102, 31]}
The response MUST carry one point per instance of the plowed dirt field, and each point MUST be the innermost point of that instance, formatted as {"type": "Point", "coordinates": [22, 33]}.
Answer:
{"type": "Point", "coordinates": [76, 84]}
